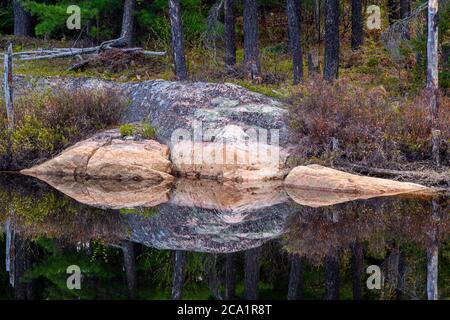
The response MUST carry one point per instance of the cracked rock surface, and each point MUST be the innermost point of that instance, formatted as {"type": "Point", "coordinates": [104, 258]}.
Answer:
{"type": "Point", "coordinates": [107, 156]}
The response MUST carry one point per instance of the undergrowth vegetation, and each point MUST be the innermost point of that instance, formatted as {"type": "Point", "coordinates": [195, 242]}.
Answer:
{"type": "Point", "coordinates": [47, 122]}
{"type": "Point", "coordinates": [342, 121]}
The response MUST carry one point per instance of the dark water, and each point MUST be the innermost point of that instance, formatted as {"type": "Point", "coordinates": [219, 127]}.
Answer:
{"type": "Point", "coordinates": [205, 240]}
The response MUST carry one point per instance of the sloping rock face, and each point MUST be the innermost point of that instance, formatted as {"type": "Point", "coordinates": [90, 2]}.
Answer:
{"type": "Point", "coordinates": [106, 156]}
{"type": "Point", "coordinates": [205, 107]}
{"type": "Point", "coordinates": [318, 186]}
{"type": "Point", "coordinates": [170, 105]}
{"type": "Point", "coordinates": [205, 115]}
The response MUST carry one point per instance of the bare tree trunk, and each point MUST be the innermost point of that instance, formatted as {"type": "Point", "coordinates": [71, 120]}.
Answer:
{"type": "Point", "coordinates": [177, 40]}
{"type": "Point", "coordinates": [251, 39]}
{"type": "Point", "coordinates": [127, 33]}
{"type": "Point", "coordinates": [292, 10]}
{"type": "Point", "coordinates": [178, 275]}
{"type": "Point", "coordinates": [391, 268]}
{"type": "Point", "coordinates": [295, 288]}
{"type": "Point", "coordinates": [332, 281]}
{"type": "Point", "coordinates": [230, 276]}
{"type": "Point", "coordinates": [130, 267]}
{"type": "Point", "coordinates": [22, 262]}
{"type": "Point", "coordinates": [230, 33]}
{"type": "Point", "coordinates": [433, 72]}
{"type": "Point", "coordinates": [432, 272]}
{"type": "Point", "coordinates": [317, 19]}
{"type": "Point", "coordinates": [251, 278]}
{"type": "Point", "coordinates": [357, 270]}
{"type": "Point", "coordinates": [357, 24]}
{"type": "Point", "coordinates": [8, 87]}
{"type": "Point", "coordinates": [331, 65]}
{"type": "Point", "coordinates": [432, 255]}
{"type": "Point", "coordinates": [401, 275]}
{"type": "Point", "coordinates": [22, 20]}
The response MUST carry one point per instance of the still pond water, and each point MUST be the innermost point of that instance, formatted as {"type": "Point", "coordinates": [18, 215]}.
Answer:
{"type": "Point", "coordinates": [206, 240]}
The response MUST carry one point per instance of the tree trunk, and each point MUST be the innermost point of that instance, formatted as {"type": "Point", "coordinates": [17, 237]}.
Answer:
{"type": "Point", "coordinates": [432, 254]}
{"type": "Point", "coordinates": [405, 8]}
{"type": "Point", "coordinates": [127, 33]}
{"type": "Point", "coordinates": [331, 65]}
{"type": "Point", "coordinates": [432, 70]}
{"type": "Point", "coordinates": [332, 281]}
{"type": "Point", "coordinates": [401, 275]}
{"type": "Point", "coordinates": [295, 288]}
{"type": "Point", "coordinates": [8, 87]}
{"type": "Point", "coordinates": [130, 267]}
{"type": "Point", "coordinates": [432, 271]}
{"type": "Point", "coordinates": [357, 24]}
{"type": "Point", "coordinates": [317, 19]}
{"type": "Point", "coordinates": [251, 278]}
{"type": "Point", "coordinates": [357, 270]}
{"type": "Point", "coordinates": [251, 39]}
{"type": "Point", "coordinates": [177, 40]}
{"type": "Point", "coordinates": [230, 33]}
{"type": "Point", "coordinates": [230, 276]}
{"type": "Point", "coordinates": [178, 274]}
{"type": "Point", "coordinates": [22, 20]}
{"type": "Point", "coordinates": [392, 267]}
{"type": "Point", "coordinates": [22, 262]}
{"type": "Point", "coordinates": [292, 10]}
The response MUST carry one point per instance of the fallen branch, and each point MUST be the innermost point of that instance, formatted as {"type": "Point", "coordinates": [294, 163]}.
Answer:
{"type": "Point", "coordinates": [118, 44]}
{"type": "Point", "coordinates": [428, 177]}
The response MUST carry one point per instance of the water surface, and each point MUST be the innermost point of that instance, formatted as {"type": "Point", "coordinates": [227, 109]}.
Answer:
{"type": "Point", "coordinates": [210, 240]}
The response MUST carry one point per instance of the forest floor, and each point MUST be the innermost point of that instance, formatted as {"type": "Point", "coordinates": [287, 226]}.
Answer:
{"type": "Point", "coordinates": [369, 67]}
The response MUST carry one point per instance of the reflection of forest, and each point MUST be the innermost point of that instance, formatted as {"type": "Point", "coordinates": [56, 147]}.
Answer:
{"type": "Point", "coordinates": [315, 252]}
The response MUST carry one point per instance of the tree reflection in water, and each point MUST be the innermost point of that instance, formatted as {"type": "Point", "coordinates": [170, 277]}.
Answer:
{"type": "Point", "coordinates": [314, 253]}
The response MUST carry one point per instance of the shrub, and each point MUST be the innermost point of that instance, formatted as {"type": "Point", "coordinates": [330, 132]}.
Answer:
{"type": "Point", "coordinates": [48, 122]}
{"type": "Point", "coordinates": [147, 131]}
{"type": "Point", "coordinates": [126, 130]}
{"type": "Point", "coordinates": [368, 126]}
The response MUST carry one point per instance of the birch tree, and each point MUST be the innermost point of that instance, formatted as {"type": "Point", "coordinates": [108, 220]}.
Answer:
{"type": "Point", "coordinates": [8, 86]}
{"type": "Point", "coordinates": [432, 73]}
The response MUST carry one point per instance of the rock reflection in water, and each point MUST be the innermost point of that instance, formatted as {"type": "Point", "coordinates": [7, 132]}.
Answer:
{"type": "Point", "coordinates": [234, 217]}
{"type": "Point", "coordinates": [230, 247]}
{"type": "Point", "coordinates": [112, 194]}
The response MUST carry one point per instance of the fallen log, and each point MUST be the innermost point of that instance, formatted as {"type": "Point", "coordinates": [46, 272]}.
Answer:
{"type": "Point", "coordinates": [53, 53]}
{"type": "Point", "coordinates": [424, 176]}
